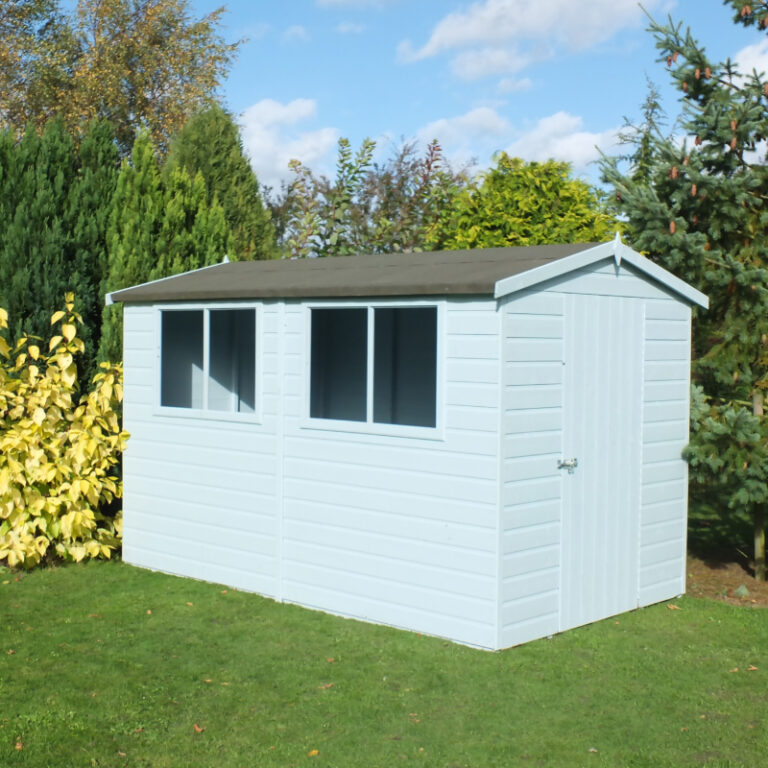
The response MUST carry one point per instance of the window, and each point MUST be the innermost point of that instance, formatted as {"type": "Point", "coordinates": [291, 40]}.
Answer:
{"type": "Point", "coordinates": [394, 382]}
{"type": "Point", "coordinates": [208, 359]}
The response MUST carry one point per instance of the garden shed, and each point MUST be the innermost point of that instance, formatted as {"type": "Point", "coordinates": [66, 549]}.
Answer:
{"type": "Point", "coordinates": [480, 445]}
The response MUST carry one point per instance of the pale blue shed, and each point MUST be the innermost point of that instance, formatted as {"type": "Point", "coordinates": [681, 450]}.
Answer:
{"type": "Point", "coordinates": [481, 445]}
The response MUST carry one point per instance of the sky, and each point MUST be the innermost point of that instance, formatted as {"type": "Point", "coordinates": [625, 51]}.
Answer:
{"type": "Point", "coordinates": [535, 78]}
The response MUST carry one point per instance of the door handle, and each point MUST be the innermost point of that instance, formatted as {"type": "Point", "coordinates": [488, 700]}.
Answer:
{"type": "Point", "coordinates": [569, 464]}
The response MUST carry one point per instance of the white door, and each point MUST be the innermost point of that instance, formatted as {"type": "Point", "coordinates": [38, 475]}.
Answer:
{"type": "Point", "coordinates": [602, 436]}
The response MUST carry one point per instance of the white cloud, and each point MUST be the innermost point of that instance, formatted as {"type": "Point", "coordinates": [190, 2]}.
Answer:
{"type": "Point", "coordinates": [474, 64]}
{"type": "Point", "coordinates": [753, 57]}
{"type": "Point", "coordinates": [510, 84]}
{"type": "Point", "coordinates": [470, 137]}
{"type": "Point", "coordinates": [296, 32]}
{"type": "Point", "coordinates": [273, 135]}
{"type": "Point", "coordinates": [561, 136]}
{"type": "Point", "coordinates": [349, 28]}
{"type": "Point", "coordinates": [502, 36]}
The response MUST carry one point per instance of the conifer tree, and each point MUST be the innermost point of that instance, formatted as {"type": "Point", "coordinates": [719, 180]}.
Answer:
{"type": "Point", "coordinates": [89, 208]}
{"type": "Point", "coordinates": [210, 144]}
{"type": "Point", "coordinates": [35, 252]}
{"type": "Point", "coordinates": [159, 226]}
{"type": "Point", "coordinates": [700, 208]}
{"type": "Point", "coordinates": [132, 231]}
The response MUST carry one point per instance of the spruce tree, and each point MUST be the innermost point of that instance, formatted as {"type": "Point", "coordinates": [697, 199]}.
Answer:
{"type": "Point", "coordinates": [210, 144]}
{"type": "Point", "coordinates": [700, 207]}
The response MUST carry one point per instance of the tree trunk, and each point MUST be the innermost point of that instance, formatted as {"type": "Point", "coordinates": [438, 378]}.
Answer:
{"type": "Point", "coordinates": [759, 513]}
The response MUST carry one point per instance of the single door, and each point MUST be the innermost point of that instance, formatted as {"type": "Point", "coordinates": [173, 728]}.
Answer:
{"type": "Point", "coordinates": [602, 437]}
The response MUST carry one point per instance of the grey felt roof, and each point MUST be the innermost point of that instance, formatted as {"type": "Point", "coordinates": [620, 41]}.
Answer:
{"type": "Point", "coordinates": [434, 273]}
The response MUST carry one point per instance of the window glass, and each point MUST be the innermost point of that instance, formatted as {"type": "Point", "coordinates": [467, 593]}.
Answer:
{"type": "Point", "coordinates": [229, 372]}
{"type": "Point", "coordinates": [182, 359]}
{"type": "Point", "coordinates": [232, 360]}
{"type": "Point", "coordinates": [338, 361]}
{"type": "Point", "coordinates": [405, 366]}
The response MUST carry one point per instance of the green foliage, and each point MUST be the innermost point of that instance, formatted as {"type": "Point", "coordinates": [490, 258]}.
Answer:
{"type": "Point", "coordinates": [210, 144]}
{"type": "Point", "coordinates": [517, 203]}
{"type": "Point", "coordinates": [137, 63]}
{"type": "Point", "coordinates": [36, 47]}
{"type": "Point", "coordinates": [370, 207]}
{"type": "Point", "coordinates": [158, 226]}
{"type": "Point", "coordinates": [53, 210]}
{"type": "Point", "coordinates": [701, 209]}
{"type": "Point", "coordinates": [57, 455]}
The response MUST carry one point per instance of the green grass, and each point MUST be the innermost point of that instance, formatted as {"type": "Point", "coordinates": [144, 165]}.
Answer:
{"type": "Point", "coordinates": [95, 679]}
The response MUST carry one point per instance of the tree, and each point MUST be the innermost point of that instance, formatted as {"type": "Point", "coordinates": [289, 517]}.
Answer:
{"type": "Point", "coordinates": [37, 48]}
{"type": "Point", "coordinates": [53, 208]}
{"type": "Point", "coordinates": [35, 251]}
{"type": "Point", "coordinates": [519, 203]}
{"type": "Point", "coordinates": [700, 208]}
{"type": "Point", "coordinates": [158, 226]}
{"type": "Point", "coordinates": [90, 202]}
{"type": "Point", "coordinates": [210, 144]}
{"type": "Point", "coordinates": [369, 207]}
{"type": "Point", "coordinates": [134, 221]}
{"type": "Point", "coordinates": [137, 63]}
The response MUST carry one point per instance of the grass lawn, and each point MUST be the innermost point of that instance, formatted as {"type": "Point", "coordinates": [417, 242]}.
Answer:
{"type": "Point", "coordinates": [108, 665]}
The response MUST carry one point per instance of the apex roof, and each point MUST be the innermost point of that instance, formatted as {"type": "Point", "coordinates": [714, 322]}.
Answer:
{"type": "Point", "coordinates": [489, 271]}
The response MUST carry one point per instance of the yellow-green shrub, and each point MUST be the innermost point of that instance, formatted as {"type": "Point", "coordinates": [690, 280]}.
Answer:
{"type": "Point", "coordinates": [58, 449]}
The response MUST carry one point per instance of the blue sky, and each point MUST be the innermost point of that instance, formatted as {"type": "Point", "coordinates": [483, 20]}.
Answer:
{"type": "Point", "coordinates": [537, 78]}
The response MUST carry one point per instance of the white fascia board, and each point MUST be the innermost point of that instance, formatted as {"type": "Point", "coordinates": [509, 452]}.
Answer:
{"type": "Point", "coordinates": [614, 249]}
{"type": "Point", "coordinates": [108, 300]}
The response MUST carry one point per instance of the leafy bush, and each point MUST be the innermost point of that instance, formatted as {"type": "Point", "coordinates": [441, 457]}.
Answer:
{"type": "Point", "coordinates": [58, 450]}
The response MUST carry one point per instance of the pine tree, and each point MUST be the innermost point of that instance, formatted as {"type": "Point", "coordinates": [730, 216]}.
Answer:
{"type": "Point", "coordinates": [210, 144]}
{"type": "Point", "coordinates": [701, 209]}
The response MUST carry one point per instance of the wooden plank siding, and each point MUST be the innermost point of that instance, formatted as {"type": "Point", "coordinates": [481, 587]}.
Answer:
{"type": "Point", "coordinates": [199, 493]}
{"type": "Point", "coordinates": [534, 332]}
{"type": "Point", "coordinates": [393, 529]}
{"type": "Point", "coordinates": [664, 479]}
{"type": "Point", "coordinates": [401, 530]}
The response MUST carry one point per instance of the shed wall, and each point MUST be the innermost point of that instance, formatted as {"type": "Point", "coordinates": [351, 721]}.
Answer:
{"type": "Point", "coordinates": [534, 331]}
{"type": "Point", "coordinates": [397, 529]}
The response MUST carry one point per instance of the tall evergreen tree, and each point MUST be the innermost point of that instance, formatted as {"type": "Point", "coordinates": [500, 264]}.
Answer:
{"type": "Point", "coordinates": [700, 208]}
{"type": "Point", "coordinates": [89, 207]}
{"type": "Point", "coordinates": [35, 252]}
{"type": "Point", "coordinates": [132, 231]}
{"type": "Point", "coordinates": [210, 144]}
{"type": "Point", "coordinates": [159, 226]}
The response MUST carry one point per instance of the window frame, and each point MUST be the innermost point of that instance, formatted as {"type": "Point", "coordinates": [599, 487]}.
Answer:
{"type": "Point", "coordinates": [206, 413]}
{"type": "Point", "coordinates": [369, 426]}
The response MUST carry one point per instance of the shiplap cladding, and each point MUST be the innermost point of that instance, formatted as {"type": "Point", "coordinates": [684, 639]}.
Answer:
{"type": "Point", "coordinates": [470, 530]}
{"type": "Point", "coordinates": [595, 368]}
{"type": "Point", "coordinates": [664, 493]}
{"type": "Point", "coordinates": [395, 529]}
{"type": "Point", "coordinates": [200, 493]}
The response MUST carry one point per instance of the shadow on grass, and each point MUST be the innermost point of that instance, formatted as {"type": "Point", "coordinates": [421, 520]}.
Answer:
{"type": "Point", "coordinates": [717, 535]}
